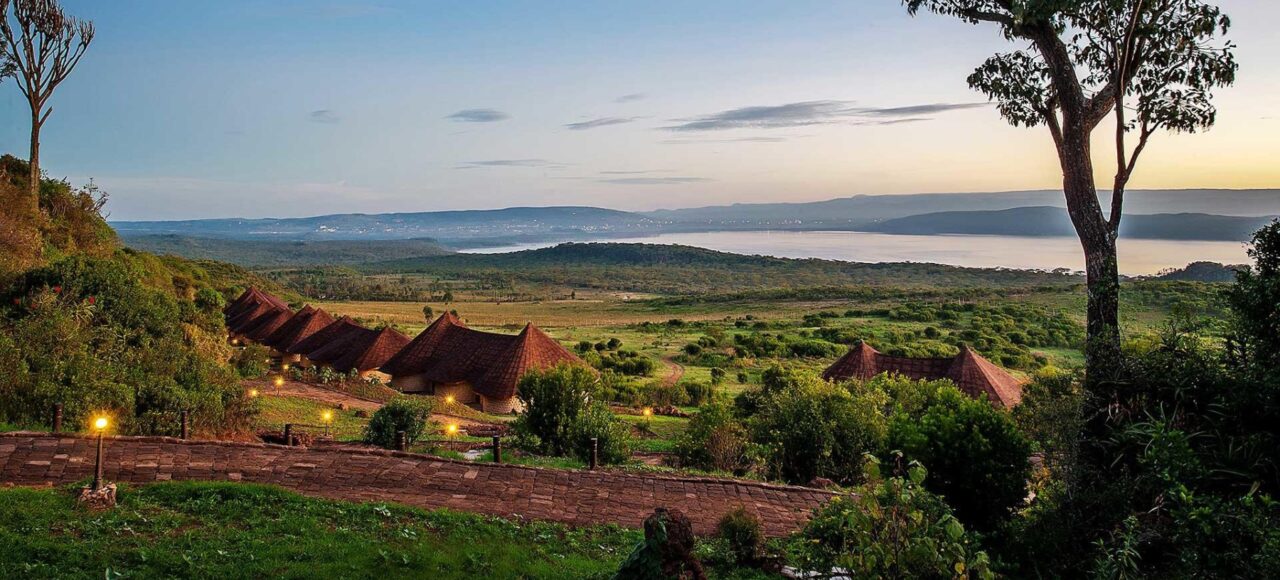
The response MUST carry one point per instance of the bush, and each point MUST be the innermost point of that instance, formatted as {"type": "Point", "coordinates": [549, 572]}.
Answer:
{"type": "Point", "coordinates": [714, 440]}
{"type": "Point", "coordinates": [892, 528]}
{"type": "Point", "coordinates": [978, 459]}
{"type": "Point", "coordinates": [744, 533]}
{"type": "Point", "coordinates": [405, 413]}
{"type": "Point", "coordinates": [613, 435]}
{"type": "Point", "coordinates": [698, 393]}
{"type": "Point", "coordinates": [553, 400]}
{"type": "Point", "coordinates": [811, 428]}
{"type": "Point", "coordinates": [252, 361]}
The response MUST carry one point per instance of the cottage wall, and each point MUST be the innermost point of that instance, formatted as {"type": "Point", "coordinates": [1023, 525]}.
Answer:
{"type": "Point", "coordinates": [409, 384]}
{"type": "Point", "coordinates": [376, 374]}
{"type": "Point", "coordinates": [500, 406]}
{"type": "Point", "coordinates": [461, 392]}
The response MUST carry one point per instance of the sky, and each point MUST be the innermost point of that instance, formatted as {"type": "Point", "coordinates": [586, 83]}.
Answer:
{"type": "Point", "coordinates": [257, 108]}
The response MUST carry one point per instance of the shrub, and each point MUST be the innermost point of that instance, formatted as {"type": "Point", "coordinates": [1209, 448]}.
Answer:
{"type": "Point", "coordinates": [405, 413]}
{"type": "Point", "coordinates": [698, 393]}
{"type": "Point", "coordinates": [978, 459]}
{"type": "Point", "coordinates": [663, 395]}
{"type": "Point", "coordinates": [613, 435]}
{"type": "Point", "coordinates": [714, 440]}
{"type": "Point", "coordinates": [744, 533]}
{"type": "Point", "coordinates": [892, 528]}
{"type": "Point", "coordinates": [553, 401]}
{"type": "Point", "coordinates": [811, 428]}
{"type": "Point", "coordinates": [252, 361]}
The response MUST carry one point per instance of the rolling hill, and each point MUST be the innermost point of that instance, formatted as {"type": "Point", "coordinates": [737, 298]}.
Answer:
{"type": "Point", "coordinates": [284, 253]}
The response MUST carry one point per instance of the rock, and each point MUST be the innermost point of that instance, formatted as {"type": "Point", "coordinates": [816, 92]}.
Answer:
{"type": "Point", "coordinates": [666, 552]}
{"type": "Point", "coordinates": [342, 406]}
{"type": "Point", "coordinates": [103, 498]}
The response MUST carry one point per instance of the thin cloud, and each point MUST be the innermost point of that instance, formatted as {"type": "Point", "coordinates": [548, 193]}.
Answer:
{"type": "Point", "coordinates": [326, 116]}
{"type": "Point", "coordinates": [639, 172]}
{"type": "Point", "coordinates": [807, 113]}
{"type": "Point", "coordinates": [631, 98]}
{"type": "Point", "coordinates": [601, 122]}
{"type": "Point", "coordinates": [479, 116]}
{"type": "Point", "coordinates": [509, 163]}
{"type": "Point", "coordinates": [740, 140]}
{"type": "Point", "coordinates": [654, 180]}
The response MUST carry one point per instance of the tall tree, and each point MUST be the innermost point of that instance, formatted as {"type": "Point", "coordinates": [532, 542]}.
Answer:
{"type": "Point", "coordinates": [1150, 64]}
{"type": "Point", "coordinates": [40, 45]}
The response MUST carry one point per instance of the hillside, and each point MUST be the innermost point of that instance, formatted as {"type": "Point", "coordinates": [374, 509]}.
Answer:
{"type": "Point", "coordinates": [1053, 221]}
{"type": "Point", "coordinates": [280, 253]}
{"type": "Point", "coordinates": [680, 269]}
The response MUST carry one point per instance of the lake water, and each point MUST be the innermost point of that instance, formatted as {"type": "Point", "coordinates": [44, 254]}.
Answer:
{"type": "Point", "coordinates": [1137, 257]}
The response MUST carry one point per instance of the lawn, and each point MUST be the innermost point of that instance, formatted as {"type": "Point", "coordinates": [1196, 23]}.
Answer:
{"type": "Point", "coordinates": [275, 411]}
{"type": "Point", "coordinates": [224, 530]}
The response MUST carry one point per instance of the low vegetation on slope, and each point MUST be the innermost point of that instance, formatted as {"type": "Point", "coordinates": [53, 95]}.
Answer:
{"type": "Point", "coordinates": [259, 253]}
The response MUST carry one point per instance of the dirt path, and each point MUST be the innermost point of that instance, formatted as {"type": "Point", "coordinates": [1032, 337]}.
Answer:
{"type": "Point", "coordinates": [569, 496]}
{"type": "Point", "coordinates": [675, 371]}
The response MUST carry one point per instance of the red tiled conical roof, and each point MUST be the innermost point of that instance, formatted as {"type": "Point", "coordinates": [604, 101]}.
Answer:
{"type": "Point", "coordinates": [369, 350]}
{"type": "Point", "coordinates": [251, 298]}
{"type": "Point", "coordinates": [298, 318]}
{"type": "Point", "coordinates": [246, 319]}
{"type": "Point", "coordinates": [348, 331]}
{"type": "Point", "coordinates": [321, 337]}
{"type": "Point", "coordinates": [972, 374]}
{"type": "Point", "coordinates": [447, 352]}
{"type": "Point", "coordinates": [266, 324]}
{"type": "Point", "coordinates": [299, 328]}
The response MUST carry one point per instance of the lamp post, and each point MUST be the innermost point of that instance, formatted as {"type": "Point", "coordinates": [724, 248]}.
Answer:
{"type": "Point", "coordinates": [278, 382]}
{"type": "Point", "coordinates": [99, 424]}
{"type": "Point", "coordinates": [327, 416]}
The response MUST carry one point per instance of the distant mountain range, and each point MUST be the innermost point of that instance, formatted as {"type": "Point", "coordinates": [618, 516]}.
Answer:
{"type": "Point", "coordinates": [1173, 214]}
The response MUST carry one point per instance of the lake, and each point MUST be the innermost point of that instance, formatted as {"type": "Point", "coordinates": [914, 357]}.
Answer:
{"type": "Point", "coordinates": [1137, 257]}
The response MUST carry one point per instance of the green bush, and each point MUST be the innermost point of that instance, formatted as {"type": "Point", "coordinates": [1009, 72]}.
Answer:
{"type": "Point", "coordinates": [714, 440]}
{"type": "Point", "coordinates": [613, 435]}
{"type": "Point", "coordinates": [698, 393]}
{"type": "Point", "coordinates": [810, 428]}
{"type": "Point", "coordinates": [405, 413]}
{"type": "Point", "coordinates": [891, 528]}
{"type": "Point", "coordinates": [252, 361]}
{"type": "Point", "coordinates": [978, 460]}
{"type": "Point", "coordinates": [744, 533]}
{"type": "Point", "coordinates": [559, 421]}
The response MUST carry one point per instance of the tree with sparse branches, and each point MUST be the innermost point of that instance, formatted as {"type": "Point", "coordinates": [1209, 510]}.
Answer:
{"type": "Point", "coordinates": [1152, 65]}
{"type": "Point", "coordinates": [39, 47]}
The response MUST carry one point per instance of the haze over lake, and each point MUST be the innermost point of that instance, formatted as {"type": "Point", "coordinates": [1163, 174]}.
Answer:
{"type": "Point", "coordinates": [1137, 257]}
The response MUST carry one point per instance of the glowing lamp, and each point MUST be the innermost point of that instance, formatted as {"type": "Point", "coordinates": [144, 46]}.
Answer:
{"type": "Point", "coordinates": [453, 429]}
{"type": "Point", "coordinates": [449, 399]}
{"type": "Point", "coordinates": [278, 382]}
{"type": "Point", "coordinates": [647, 412]}
{"type": "Point", "coordinates": [327, 416]}
{"type": "Point", "coordinates": [253, 393]}
{"type": "Point", "coordinates": [100, 423]}
{"type": "Point", "coordinates": [284, 367]}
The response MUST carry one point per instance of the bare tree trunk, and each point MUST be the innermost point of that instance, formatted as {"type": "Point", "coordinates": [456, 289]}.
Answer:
{"type": "Point", "coordinates": [1102, 273]}
{"type": "Point", "coordinates": [34, 162]}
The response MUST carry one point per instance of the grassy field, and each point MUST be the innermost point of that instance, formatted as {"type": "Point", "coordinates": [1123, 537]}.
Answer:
{"type": "Point", "coordinates": [224, 530]}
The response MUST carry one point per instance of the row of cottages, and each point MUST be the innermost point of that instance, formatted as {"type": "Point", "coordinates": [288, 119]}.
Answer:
{"type": "Point", "coordinates": [446, 359]}
{"type": "Point", "coordinates": [974, 375]}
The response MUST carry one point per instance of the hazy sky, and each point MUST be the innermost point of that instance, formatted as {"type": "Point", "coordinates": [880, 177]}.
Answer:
{"type": "Point", "coordinates": [301, 107]}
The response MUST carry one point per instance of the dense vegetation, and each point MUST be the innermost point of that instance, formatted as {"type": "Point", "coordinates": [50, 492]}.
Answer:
{"type": "Point", "coordinates": [100, 329]}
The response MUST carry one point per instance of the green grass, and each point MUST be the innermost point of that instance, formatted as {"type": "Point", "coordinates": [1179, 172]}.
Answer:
{"type": "Point", "coordinates": [274, 412]}
{"type": "Point", "coordinates": [206, 530]}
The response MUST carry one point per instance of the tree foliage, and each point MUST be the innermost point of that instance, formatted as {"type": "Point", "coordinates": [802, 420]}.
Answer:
{"type": "Point", "coordinates": [405, 413]}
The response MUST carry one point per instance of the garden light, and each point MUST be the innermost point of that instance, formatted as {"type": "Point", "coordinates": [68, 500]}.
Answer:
{"type": "Point", "coordinates": [449, 399]}
{"type": "Point", "coordinates": [253, 393]}
{"type": "Point", "coordinates": [278, 382]}
{"type": "Point", "coordinates": [647, 412]}
{"type": "Point", "coordinates": [453, 429]}
{"type": "Point", "coordinates": [101, 425]}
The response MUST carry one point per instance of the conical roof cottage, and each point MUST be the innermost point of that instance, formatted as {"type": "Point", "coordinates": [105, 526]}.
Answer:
{"type": "Point", "coordinates": [974, 375]}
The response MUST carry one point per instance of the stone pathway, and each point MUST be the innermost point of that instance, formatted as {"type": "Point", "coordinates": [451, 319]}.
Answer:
{"type": "Point", "coordinates": [569, 496]}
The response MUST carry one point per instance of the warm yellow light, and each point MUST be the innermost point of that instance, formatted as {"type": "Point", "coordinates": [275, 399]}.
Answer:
{"type": "Point", "coordinates": [100, 423]}
{"type": "Point", "coordinates": [279, 381]}
{"type": "Point", "coordinates": [253, 393]}
{"type": "Point", "coordinates": [284, 367]}
{"type": "Point", "coordinates": [453, 429]}
{"type": "Point", "coordinates": [449, 399]}
{"type": "Point", "coordinates": [647, 412]}
{"type": "Point", "coordinates": [327, 415]}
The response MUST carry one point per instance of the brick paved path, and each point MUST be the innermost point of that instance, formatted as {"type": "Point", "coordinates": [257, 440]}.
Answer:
{"type": "Point", "coordinates": [570, 496]}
